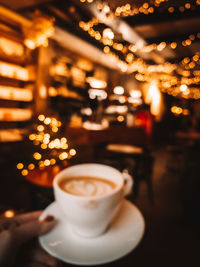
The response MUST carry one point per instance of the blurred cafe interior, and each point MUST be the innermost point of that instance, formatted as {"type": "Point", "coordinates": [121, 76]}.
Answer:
{"type": "Point", "coordinates": [112, 82]}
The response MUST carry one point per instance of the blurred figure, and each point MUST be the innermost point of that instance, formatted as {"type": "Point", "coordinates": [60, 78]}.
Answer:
{"type": "Point", "coordinates": [145, 119]}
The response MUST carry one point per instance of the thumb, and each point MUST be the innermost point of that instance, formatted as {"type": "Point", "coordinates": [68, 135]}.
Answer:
{"type": "Point", "coordinates": [27, 231]}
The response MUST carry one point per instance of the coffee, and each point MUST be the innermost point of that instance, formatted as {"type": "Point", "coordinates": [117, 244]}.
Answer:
{"type": "Point", "coordinates": [90, 195]}
{"type": "Point", "coordinates": [87, 186]}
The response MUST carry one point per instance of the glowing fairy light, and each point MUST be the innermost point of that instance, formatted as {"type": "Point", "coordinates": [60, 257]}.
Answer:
{"type": "Point", "coordinates": [72, 152]}
{"type": "Point", "coordinates": [54, 122]}
{"type": "Point", "coordinates": [47, 121]}
{"type": "Point", "coordinates": [41, 117]}
{"type": "Point", "coordinates": [183, 87]}
{"type": "Point", "coordinates": [37, 156]}
{"type": "Point", "coordinates": [47, 162]}
{"type": "Point", "coordinates": [31, 166]}
{"type": "Point", "coordinates": [9, 214]}
{"type": "Point", "coordinates": [46, 140]}
{"type": "Point", "coordinates": [52, 161]}
{"type": "Point", "coordinates": [120, 118]}
{"type": "Point", "coordinates": [40, 128]}
{"type": "Point", "coordinates": [55, 149]}
{"type": "Point", "coordinates": [108, 33]}
{"type": "Point", "coordinates": [63, 156]}
{"type": "Point", "coordinates": [20, 166]}
{"type": "Point", "coordinates": [63, 140]}
{"type": "Point", "coordinates": [55, 129]}
{"type": "Point", "coordinates": [32, 137]}
{"type": "Point", "coordinates": [65, 146]}
{"type": "Point", "coordinates": [51, 145]}
{"type": "Point", "coordinates": [44, 146]}
{"type": "Point", "coordinates": [24, 172]}
{"type": "Point", "coordinates": [47, 135]}
{"type": "Point", "coordinates": [119, 90]}
{"type": "Point", "coordinates": [136, 93]}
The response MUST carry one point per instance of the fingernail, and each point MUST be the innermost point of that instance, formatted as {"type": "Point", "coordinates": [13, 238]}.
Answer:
{"type": "Point", "coordinates": [49, 218]}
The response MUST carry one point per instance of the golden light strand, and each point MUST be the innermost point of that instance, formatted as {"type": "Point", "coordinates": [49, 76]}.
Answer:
{"type": "Point", "coordinates": [149, 8]}
{"type": "Point", "coordinates": [43, 139]}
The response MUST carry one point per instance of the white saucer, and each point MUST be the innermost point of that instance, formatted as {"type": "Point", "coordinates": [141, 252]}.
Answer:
{"type": "Point", "coordinates": [123, 235]}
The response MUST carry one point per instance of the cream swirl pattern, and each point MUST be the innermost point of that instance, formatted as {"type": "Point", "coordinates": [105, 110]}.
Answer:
{"type": "Point", "coordinates": [87, 186]}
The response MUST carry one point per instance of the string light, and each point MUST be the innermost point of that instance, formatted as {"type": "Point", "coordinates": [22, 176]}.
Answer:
{"type": "Point", "coordinates": [192, 92]}
{"type": "Point", "coordinates": [63, 156]}
{"type": "Point", "coordinates": [119, 90]}
{"type": "Point", "coordinates": [40, 128]}
{"type": "Point", "coordinates": [72, 152]}
{"type": "Point", "coordinates": [128, 10]}
{"type": "Point", "coordinates": [20, 166]}
{"type": "Point", "coordinates": [149, 8]}
{"type": "Point", "coordinates": [120, 118]}
{"type": "Point", "coordinates": [41, 117]}
{"type": "Point", "coordinates": [31, 166]}
{"type": "Point", "coordinates": [43, 146]}
{"type": "Point", "coordinates": [136, 64]}
{"type": "Point", "coordinates": [24, 172]}
{"type": "Point", "coordinates": [37, 156]}
{"type": "Point", "coordinates": [176, 110]}
{"type": "Point", "coordinates": [183, 87]}
{"type": "Point", "coordinates": [9, 213]}
{"type": "Point", "coordinates": [108, 33]}
{"type": "Point", "coordinates": [56, 148]}
{"type": "Point", "coordinates": [47, 121]}
{"type": "Point", "coordinates": [143, 71]}
{"type": "Point", "coordinates": [47, 162]}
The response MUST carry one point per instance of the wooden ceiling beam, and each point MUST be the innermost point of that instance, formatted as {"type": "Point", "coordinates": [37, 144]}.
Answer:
{"type": "Point", "coordinates": [13, 18]}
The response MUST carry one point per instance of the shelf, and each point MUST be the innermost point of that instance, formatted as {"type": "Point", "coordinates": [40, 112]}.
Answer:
{"type": "Point", "coordinates": [12, 135]}
{"type": "Point", "coordinates": [15, 94]}
{"type": "Point", "coordinates": [15, 114]}
{"type": "Point", "coordinates": [12, 59]}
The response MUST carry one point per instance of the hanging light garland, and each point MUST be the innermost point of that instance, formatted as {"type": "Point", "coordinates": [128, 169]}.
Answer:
{"type": "Point", "coordinates": [165, 73]}
{"type": "Point", "coordinates": [145, 8]}
{"type": "Point", "coordinates": [149, 8]}
{"type": "Point", "coordinates": [107, 40]}
{"type": "Point", "coordinates": [130, 10]}
{"type": "Point", "coordinates": [88, 26]}
{"type": "Point", "coordinates": [131, 63]}
{"type": "Point", "coordinates": [172, 45]}
{"type": "Point", "coordinates": [189, 63]}
{"type": "Point", "coordinates": [189, 93]}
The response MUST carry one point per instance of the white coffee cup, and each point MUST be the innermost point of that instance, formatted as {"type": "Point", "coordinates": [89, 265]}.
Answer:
{"type": "Point", "coordinates": [89, 216]}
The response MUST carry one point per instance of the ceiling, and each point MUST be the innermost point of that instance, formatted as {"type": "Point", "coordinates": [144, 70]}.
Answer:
{"type": "Point", "coordinates": [157, 27]}
{"type": "Point", "coordinates": [157, 32]}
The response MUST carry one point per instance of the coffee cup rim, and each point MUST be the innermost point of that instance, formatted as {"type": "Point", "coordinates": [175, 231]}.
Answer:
{"type": "Point", "coordinates": [59, 175]}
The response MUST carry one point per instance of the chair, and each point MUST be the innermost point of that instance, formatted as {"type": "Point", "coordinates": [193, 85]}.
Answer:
{"type": "Point", "coordinates": [136, 159]}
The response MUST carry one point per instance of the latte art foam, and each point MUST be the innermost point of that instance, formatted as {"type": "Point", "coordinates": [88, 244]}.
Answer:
{"type": "Point", "coordinates": [87, 186]}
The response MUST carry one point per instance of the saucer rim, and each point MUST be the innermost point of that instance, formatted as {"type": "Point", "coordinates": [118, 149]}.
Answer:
{"type": "Point", "coordinates": [98, 262]}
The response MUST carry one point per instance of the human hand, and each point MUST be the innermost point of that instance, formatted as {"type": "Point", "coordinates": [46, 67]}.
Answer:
{"type": "Point", "coordinates": [17, 244]}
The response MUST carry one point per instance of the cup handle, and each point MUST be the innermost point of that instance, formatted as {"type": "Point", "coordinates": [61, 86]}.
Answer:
{"type": "Point", "coordinates": [128, 182]}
